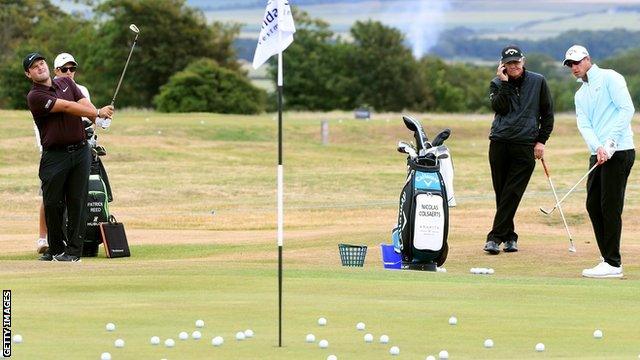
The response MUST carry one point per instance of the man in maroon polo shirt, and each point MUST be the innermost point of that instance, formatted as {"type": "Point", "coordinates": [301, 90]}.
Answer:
{"type": "Point", "coordinates": [57, 107]}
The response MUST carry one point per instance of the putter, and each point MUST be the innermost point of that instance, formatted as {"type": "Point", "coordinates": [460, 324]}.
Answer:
{"type": "Point", "coordinates": [547, 212]}
{"type": "Point", "coordinates": [572, 247]}
{"type": "Point", "coordinates": [135, 29]}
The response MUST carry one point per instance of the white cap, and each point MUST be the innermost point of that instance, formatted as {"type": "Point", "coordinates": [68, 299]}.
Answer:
{"type": "Point", "coordinates": [62, 59]}
{"type": "Point", "coordinates": [575, 53]}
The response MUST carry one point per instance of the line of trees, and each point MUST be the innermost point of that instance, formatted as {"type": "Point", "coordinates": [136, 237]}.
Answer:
{"type": "Point", "coordinates": [184, 64]}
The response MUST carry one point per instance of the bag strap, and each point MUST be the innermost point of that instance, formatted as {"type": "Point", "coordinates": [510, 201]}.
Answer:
{"type": "Point", "coordinates": [112, 219]}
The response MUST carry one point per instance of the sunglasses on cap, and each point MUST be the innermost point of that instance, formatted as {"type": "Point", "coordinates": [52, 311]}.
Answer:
{"type": "Point", "coordinates": [70, 68]}
{"type": "Point", "coordinates": [570, 63]}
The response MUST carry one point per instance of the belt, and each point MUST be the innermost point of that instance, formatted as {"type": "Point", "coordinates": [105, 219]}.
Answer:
{"type": "Point", "coordinates": [68, 148]}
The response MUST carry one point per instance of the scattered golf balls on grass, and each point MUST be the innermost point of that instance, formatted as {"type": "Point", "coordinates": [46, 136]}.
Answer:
{"type": "Point", "coordinates": [322, 321]}
{"type": "Point", "coordinates": [323, 344]}
{"type": "Point", "coordinates": [169, 343]}
{"type": "Point", "coordinates": [597, 334]}
{"type": "Point", "coordinates": [384, 339]}
{"type": "Point", "coordinates": [105, 356]}
{"type": "Point", "coordinates": [217, 341]}
{"type": "Point", "coordinates": [368, 338]}
{"type": "Point", "coordinates": [240, 336]}
{"type": "Point", "coordinates": [183, 335]}
{"type": "Point", "coordinates": [110, 326]}
{"type": "Point", "coordinates": [17, 339]}
{"type": "Point", "coordinates": [119, 343]}
{"type": "Point", "coordinates": [199, 323]}
{"type": "Point", "coordinates": [196, 335]}
{"type": "Point", "coordinates": [310, 338]}
{"type": "Point", "coordinates": [360, 326]}
{"type": "Point", "coordinates": [453, 320]}
{"type": "Point", "coordinates": [488, 343]}
{"type": "Point", "coordinates": [482, 271]}
{"type": "Point", "coordinates": [539, 347]}
{"type": "Point", "coordinates": [154, 340]}
{"type": "Point", "coordinates": [444, 354]}
{"type": "Point", "coordinates": [394, 350]}
{"type": "Point", "coordinates": [248, 333]}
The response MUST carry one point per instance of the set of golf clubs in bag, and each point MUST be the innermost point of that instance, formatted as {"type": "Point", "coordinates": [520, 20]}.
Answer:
{"type": "Point", "coordinates": [420, 235]}
{"type": "Point", "coordinates": [100, 194]}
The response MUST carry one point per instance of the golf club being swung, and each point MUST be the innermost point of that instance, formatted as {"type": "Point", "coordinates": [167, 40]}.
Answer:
{"type": "Point", "coordinates": [547, 212]}
{"type": "Point", "coordinates": [572, 247]}
{"type": "Point", "coordinates": [135, 29]}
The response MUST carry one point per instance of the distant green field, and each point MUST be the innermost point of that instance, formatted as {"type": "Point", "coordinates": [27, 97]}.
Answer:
{"type": "Point", "coordinates": [197, 195]}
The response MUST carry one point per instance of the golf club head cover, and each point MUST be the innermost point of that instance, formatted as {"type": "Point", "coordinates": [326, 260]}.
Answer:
{"type": "Point", "coordinates": [441, 137]}
{"type": "Point", "coordinates": [422, 142]}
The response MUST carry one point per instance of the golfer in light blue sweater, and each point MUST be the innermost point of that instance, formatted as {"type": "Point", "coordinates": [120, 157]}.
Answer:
{"type": "Point", "coordinates": [604, 111]}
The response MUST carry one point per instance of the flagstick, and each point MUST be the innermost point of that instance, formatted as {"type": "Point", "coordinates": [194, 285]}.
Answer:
{"type": "Point", "coordinates": [280, 194]}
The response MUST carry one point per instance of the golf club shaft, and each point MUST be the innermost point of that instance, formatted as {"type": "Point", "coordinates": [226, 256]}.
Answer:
{"type": "Point", "coordinates": [572, 247]}
{"type": "Point", "coordinates": [571, 190]}
{"type": "Point", "coordinates": [124, 70]}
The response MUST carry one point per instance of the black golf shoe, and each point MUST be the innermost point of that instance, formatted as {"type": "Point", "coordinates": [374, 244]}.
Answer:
{"type": "Point", "coordinates": [66, 257]}
{"type": "Point", "coordinates": [510, 246]}
{"type": "Point", "coordinates": [491, 247]}
{"type": "Point", "coordinates": [46, 257]}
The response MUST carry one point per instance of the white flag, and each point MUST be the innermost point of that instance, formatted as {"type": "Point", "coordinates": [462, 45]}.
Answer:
{"type": "Point", "coordinates": [277, 19]}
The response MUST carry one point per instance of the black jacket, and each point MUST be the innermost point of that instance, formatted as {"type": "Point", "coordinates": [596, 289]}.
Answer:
{"type": "Point", "coordinates": [523, 109]}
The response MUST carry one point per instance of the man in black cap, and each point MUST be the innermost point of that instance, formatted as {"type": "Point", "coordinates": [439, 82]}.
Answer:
{"type": "Point", "coordinates": [521, 126]}
{"type": "Point", "coordinates": [57, 107]}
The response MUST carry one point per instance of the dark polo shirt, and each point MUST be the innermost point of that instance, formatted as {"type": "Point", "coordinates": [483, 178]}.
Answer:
{"type": "Point", "coordinates": [56, 129]}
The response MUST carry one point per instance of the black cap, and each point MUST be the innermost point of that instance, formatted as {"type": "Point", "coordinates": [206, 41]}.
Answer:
{"type": "Point", "coordinates": [511, 53]}
{"type": "Point", "coordinates": [30, 59]}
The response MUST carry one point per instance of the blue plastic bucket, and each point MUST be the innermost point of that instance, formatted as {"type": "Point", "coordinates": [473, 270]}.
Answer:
{"type": "Point", "coordinates": [390, 258]}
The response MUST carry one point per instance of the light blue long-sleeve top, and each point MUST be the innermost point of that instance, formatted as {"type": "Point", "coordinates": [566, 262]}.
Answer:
{"type": "Point", "coordinates": [604, 109]}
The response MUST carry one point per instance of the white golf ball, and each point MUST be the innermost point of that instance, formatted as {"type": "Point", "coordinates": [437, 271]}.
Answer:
{"type": "Point", "coordinates": [105, 356]}
{"type": "Point", "coordinates": [110, 326]}
{"type": "Point", "coordinates": [154, 340]}
{"type": "Point", "coordinates": [332, 357]}
{"type": "Point", "coordinates": [597, 334]}
{"type": "Point", "coordinates": [394, 350]}
{"type": "Point", "coordinates": [119, 343]}
{"type": "Point", "coordinates": [322, 321]}
{"type": "Point", "coordinates": [491, 271]}
{"type": "Point", "coordinates": [444, 354]}
{"type": "Point", "coordinates": [368, 338]}
{"type": "Point", "coordinates": [539, 347]}
{"type": "Point", "coordinates": [240, 336]}
{"type": "Point", "coordinates": [323, 344]}
{"type": "Point", "coordinates": [196, 335]}
{"type": "Point", "coordinates": [473, 270]}
{"type": "Point", "coordinates": [453, 320]}
{"type": "Point", "coordinates": [384, 339]}
{"type": "Point", "coordinates": [311, 338]}
{"type": "Point", "coordinates": [488, 343]}
{"type": "Point", "coordinates": [199, 323]}
{"type": "Point", "coordinates": [17, 339]}
{"type": "Point", "coordinates": [217, 341]}
{"type": "Point", "coordinates": [430, 357]}
{"type": "Point", "coordinates": [360, 326]}
{"type": "Point", "coordinates": [169, 343]}
{"type": "Point", "coordinates": [248, 333]}
{"type": "Point", "coordinates": [183, 335]}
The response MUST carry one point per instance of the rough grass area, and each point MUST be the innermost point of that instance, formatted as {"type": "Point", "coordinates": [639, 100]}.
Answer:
{"type": "Point", "coordinates": [197, 195]}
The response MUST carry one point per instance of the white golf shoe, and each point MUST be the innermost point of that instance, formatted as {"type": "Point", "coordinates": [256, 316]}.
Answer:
{"type": "Point", "coordinates": [603, 270]}
{"type": "Point", "coordinates": [43, 245]}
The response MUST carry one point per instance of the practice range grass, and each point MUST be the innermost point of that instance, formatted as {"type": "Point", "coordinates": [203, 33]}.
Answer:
{"type": "Point", "coordinates": [169, 172]}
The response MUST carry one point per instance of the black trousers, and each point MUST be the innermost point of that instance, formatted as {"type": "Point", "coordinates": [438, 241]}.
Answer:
{"type": "Point", "coordinates": [511, 169]}
{"type": "Point", "coordinates": [65, 181]}
{"type": "Point", "coordinates": [605, 199]}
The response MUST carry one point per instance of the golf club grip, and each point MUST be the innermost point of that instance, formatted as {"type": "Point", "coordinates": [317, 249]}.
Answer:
{"type": "Point", "coordinates": [544, 166]}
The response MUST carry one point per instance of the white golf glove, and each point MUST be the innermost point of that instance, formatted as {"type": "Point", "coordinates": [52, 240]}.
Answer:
{"type": "Point", "coordinates": [610, 147]}
{"type": "Point", "coordinates": [103, 123]}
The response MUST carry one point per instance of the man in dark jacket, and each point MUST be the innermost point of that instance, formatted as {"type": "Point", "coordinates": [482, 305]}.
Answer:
{"type": "Point", "coordinates": [521, 126]}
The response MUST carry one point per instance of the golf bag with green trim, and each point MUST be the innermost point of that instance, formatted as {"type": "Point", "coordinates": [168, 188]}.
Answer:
{"type": "Point", "coordinates": [98, 199]}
